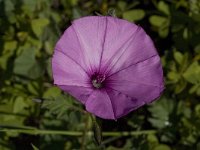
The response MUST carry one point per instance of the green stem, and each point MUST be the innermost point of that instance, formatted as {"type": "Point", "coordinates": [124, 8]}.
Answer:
{"type": "Point", "coordinates": [85, 132]}
{"type": "Point", "coordinates": [97, 132]}
{"type": "Point", "coordinates": [43, 132]}
{"type": "Point", "coordinates": [110, 139]}
{"type": "Point", "coordinates": [76, 133]}
{"type": "Point", "coordinates": [127, 133]}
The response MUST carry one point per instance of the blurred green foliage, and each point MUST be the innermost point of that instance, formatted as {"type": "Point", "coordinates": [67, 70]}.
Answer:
{"type": "Point", "coordinates": [28, 100]}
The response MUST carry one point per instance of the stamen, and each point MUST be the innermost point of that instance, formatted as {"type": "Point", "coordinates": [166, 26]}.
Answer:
{"type": "Point", "coordinates": [96, 84]}
{"type": "Point", "coordinates": [97, 80]}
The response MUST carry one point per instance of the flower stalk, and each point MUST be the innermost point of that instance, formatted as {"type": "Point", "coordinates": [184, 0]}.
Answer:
{"type": "Point", "coordinates": [97, 133]}
{"type": "Point", "coordinates": [76, 133]}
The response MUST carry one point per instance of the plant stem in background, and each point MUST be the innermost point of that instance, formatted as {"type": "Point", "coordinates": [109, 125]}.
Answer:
{"type": "Point", "coordinates": [76, 133]}
{"type": "Point", "coordinates": [85, 132]}
{"type": "Point", "coordinates": [96, 130]}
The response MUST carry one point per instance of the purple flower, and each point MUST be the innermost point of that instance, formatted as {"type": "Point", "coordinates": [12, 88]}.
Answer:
{"type": "Point", "coordinates": [108, 64]}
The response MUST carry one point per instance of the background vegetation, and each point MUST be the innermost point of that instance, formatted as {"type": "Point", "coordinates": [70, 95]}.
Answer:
{"type": "Point", "coordinates": [36, 115]}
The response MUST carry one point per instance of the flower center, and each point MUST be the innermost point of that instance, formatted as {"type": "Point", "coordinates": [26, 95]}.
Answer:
{"type": "Point", "coordinates": [97, 80]}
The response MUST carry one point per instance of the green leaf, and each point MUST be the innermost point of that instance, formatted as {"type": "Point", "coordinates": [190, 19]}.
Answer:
{"type": "Point", "coordinates": [177, 27]}
{"type": "Point", "coordinates": [163, 7]}
{"type": "Point", "coordinates": [74, 2]}
{"type": "Point", "coordinates": [194, 88]}
{"type": "Point", "coordinates": [152, 138]}
{"type": "Point", "coordinates": [59, 105]}
{"type": "Point", "coordinates": [49, 69]}
{"type": "Point", "coordinates": [185, 33]}
{"type": "Point", "coordinates": [10, 45]}
{"type": "Point", "coordinates": [180, 86]}
{"type": "Point", "coordinates": [192, 74]}
{"type": "Point", "coordinates": [19, 105]}
{"type": "Point", "coordinates": [36, 70]}
{"type": "Point", "coordinates": [4, 145]}
{"type": "Point", "coordinates": [33, 88]}
{"type": "Point", "coordinates": [30, 5]}
{"type": "Point", "coordinates": [121, 5]}
{"type": "Point", "coordinates": [76, 13]}
{"type": "Point", "coordinates": [52, 92]}
{"type": "Point", "coordinates": [197, 49]}
{"type": "Point", "coordinates": [164, 30]}
{"type": "Point", "coordinates": [34, 147]}
{"type": "Point", "coordinates": [22, 35]}
{"type": "Point", "coordinates": [162, 147]}
{"type": "Point", "coordinates": [38, 25]}
{"type": "Point", "coordinates": [157, 20]}
{"type": "Point", "coordinates": [162, 24]}
{"type": "Point", "coordinates": [178, 57]}
{"type": "Point", "coordinates": [49, 47]}
{"type": "Point", "coordinates": [183, 109]}
{"type": "Point", "coordinates": [158, 123]}
{"type": "Point", "coordinates": [134, 15]}
{"type": "Point", "coordinates": [26, 64]}
{"type": "Point", "coordinates": [197, 110]}
{"type": "Point", "coordinates": [198, 91]}
{"type": "Point", "coordinates": [174, 76]}
{"type": "Point", "coordinates": [9, 6]}
{"type": "Point", "coordinates": [4, 59]}
{"type": "Point", "coordinates": [165, 107]}
{"type": "Point", "coordinates": [196, 17]}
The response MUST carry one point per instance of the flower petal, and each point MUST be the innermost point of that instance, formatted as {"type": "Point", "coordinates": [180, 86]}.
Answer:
{"type": "Point", "coordinates": [91, 32]}
{"type": "Point", "coordinates": [67, 72]}
{"type": "Point", "coordinates": [143, 81]}
{"type": "Point", "coordinates": [69, 45]}
{"type": "Point", "coordinates": [123, 104]}
{"type": "Point", "coordinates": [136, 48]}
{"type": "Point", "coordinates": [80, 93]}
{"type": "Point", "coordinates": [100, 104]}
{"type": "Point", "coordinates": [119, 34]}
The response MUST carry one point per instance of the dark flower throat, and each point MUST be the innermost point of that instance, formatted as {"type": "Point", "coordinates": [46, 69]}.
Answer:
{"type": "Point", "coordinates": [98, 80]}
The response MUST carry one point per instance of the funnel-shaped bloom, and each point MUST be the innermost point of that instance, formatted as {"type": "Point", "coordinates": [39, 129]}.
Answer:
{"type": "Point", "coordinates": [108, 64]}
